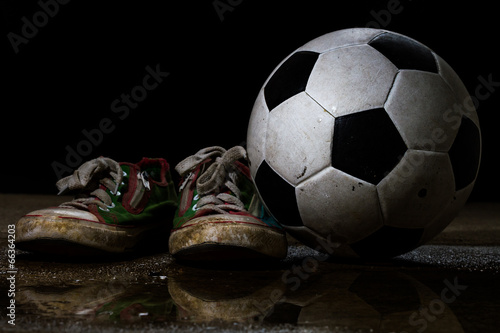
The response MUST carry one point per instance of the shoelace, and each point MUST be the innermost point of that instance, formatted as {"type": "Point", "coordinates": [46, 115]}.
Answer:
{"type": "Point", "coordinates": [222, 172]}
{"type": "Point", "coordinates": [87, 180]}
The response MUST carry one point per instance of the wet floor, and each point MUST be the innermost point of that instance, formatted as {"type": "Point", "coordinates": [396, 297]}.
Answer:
{"type": "Point", "coordinates": [451, 285]}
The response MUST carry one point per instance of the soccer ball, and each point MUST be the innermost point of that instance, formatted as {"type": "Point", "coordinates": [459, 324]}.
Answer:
{"type": "Point", "coordinates": [366, 139]}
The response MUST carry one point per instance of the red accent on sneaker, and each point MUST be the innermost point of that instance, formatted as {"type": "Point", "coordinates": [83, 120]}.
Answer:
{"type": "Point", "coordinates": [165, 168]}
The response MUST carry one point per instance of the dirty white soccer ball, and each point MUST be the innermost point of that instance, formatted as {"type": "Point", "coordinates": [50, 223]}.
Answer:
{"type": "Point", "coordinates": [365, 138]}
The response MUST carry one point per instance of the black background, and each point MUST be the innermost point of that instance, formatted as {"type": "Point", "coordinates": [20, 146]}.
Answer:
{"type": "Point", "coordinates": [65, 78]}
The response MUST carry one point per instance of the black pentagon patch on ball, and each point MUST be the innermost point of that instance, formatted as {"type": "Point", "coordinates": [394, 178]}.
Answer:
{"type": "Point", "coordinates": [465, 153]}
{"type": "Point", "coordinates": [290, 79]}
{"type": "Point", "coordinates": [279, 196]}
{"type": "Point", "coordinates": [366, 145]}
{"type": "Point", "coordinates": [388, 242]}
{"type": "Point", "coordinates": [404, 52]}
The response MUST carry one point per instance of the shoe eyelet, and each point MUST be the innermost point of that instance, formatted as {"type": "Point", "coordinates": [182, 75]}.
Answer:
{"type": "Point", "coordinates": [117, 193]}
{"type": "Point", "coordinates": [108, 207]}
{"type": "Point", "coordinates": [195, 207]}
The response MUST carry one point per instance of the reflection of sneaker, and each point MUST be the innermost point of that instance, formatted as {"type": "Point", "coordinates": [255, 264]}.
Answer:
{"type": "Point", "coordinates": [219, 214]}
{"type": "Point", "coordinates": [226, 296]}
{"type": "Point", "coordinates": [98, 302]}
{"type": "Point", "coordinates": [139, 304]}
{"type": "Point", "coordinates": [67, 301]}
{"type": "Point", "coordinates": [117, 205]}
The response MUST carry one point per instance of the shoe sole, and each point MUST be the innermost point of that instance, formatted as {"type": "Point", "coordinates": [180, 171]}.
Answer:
{"type": "Point", "coordinates": [218, 239]}
{"type": "Point", "coordinates": [55, 236]}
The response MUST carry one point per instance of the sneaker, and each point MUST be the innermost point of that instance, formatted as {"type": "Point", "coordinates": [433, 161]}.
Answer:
{"type": "Point", "coordinates": [116, 207]}
{"type": "Point", "coordinates": [220, 215]}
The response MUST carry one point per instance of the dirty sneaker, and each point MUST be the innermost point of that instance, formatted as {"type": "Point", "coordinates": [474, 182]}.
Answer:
{"type": "Point", "coordinates": [117, 206]}
{"type": "Point", "coordinates": [220, 215]}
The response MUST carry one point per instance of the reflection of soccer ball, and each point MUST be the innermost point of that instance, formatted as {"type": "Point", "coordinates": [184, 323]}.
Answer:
{"type": "Point", "coordinates": [381, 301]}
{"type": "Point", "coordinates": [364, 137]}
